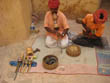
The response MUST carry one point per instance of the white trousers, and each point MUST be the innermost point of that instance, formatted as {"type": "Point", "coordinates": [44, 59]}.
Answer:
{"type": "Point", "coordinates": [51, 42]}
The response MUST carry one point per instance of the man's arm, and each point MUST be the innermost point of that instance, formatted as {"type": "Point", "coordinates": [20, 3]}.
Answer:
{"type": "Point", "coordinates": [86, 28]}
{"type": "Point", "coordinates": [49, 30]}
{"type": "Point", "coordinates": [55, 32]}
{"type": "Point", "coordinates": [46, 24]}
{"type": "Point", "coordinates": [83, 21]}
{"type": "Point", "coordinates": [65, 25]}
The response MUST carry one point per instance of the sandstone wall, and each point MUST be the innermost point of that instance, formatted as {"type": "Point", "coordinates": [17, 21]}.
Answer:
{"type": "Point", "coordinates": [15, 20]}
{"type": "Point", "coordinates": [72, 8]}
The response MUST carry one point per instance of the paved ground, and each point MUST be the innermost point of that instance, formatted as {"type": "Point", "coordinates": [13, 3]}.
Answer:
{"type": "Point", "coordinates": [11, 52]}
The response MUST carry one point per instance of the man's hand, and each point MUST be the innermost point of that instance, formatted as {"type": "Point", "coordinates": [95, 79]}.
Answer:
{"type": "Point", "coordinates": [65, 32]}
{"type": "Point", "coordinates": [86, 28]}
{"type": "Point", "coordinates": [93, 32]}
{"type": "Point", "coordinates": [59, 34]}
{"type": "Point", "coordinates": [62, 34]}
{"type": "Point", "coordinates": [89, 36]}
{"type": "Point", "coordinates": [50, 30]}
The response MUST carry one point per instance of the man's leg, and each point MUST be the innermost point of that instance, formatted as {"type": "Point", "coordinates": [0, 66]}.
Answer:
{"type": "Point", "coordinates": [83, 41]}
{"type": "Point", "coordinates": [98, 42]}
{"type": "Point", "coordinates": [51, 42]}
{"type": "Point", "coordinates": [64, 42]}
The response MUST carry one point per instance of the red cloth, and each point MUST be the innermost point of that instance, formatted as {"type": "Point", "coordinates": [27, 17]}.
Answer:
{"type": "Point", "coordinates": [97, 16]}
{"type": "Point", "coordinates": [53, 3]}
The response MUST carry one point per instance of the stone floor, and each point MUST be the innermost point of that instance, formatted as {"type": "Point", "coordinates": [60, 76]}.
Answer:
{"type": "Point", "coordinates": [11, 52]}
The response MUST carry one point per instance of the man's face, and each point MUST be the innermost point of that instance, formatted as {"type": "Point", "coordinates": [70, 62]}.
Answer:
{"type": "Point", "coordinates": [54, 10]}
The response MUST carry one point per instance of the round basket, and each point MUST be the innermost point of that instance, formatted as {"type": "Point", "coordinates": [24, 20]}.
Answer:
{"type": "Point", "coordinates": [73, 50]}
{"type": "Point", "coordinates": [50, 62]}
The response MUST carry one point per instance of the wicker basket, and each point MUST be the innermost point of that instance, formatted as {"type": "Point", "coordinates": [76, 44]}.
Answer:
{"type": "Point", "coordinates": [73, 50]}
{"type": "Point", "coordinates": [50, 62]}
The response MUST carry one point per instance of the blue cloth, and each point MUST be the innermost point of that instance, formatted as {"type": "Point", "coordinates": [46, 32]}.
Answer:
{"type": "Point", "coordinates": [14, 63]}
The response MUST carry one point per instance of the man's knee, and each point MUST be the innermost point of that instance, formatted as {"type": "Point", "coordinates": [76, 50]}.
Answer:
{"type": "Point", "coordinates": [64, 44]}
{"type": "Point", "coordinates": [50, 42]}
